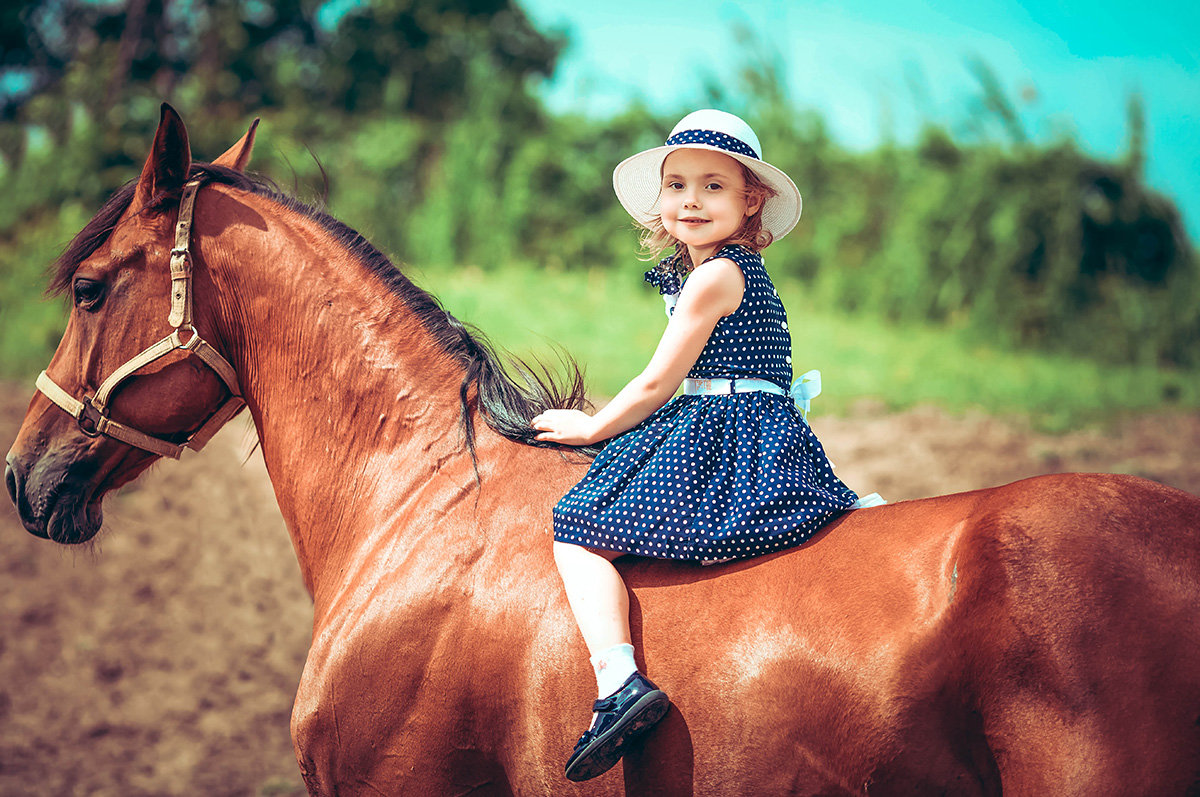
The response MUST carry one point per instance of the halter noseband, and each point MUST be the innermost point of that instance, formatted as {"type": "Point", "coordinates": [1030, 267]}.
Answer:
{"type": "Point", "coordinates": [90, 413]}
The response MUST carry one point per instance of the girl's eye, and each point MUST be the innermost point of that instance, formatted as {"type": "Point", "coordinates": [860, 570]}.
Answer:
{"type": "Point", "coordinates": [88, 294]}
{"type": "Point", "coordinates": [713, 186]}
{"type": "Point", "coordinates": [675, 185]}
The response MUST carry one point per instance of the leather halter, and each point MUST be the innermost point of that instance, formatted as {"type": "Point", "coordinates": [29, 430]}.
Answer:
{"type": "Point", "coordinates": [91, 412]}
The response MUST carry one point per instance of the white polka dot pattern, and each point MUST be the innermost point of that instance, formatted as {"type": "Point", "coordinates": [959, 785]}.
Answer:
{"type": "Point", "coordinates": [713, 138]}
{"type": "Point", "coordinates": [713, 477]}
{"type": "Point", "coordinates": [753, 340]}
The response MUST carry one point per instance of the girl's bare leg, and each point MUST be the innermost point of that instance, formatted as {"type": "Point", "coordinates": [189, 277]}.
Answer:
{"type": "Point", "coordinates": [629, 704]}
{"type": "Point", "coordinates": [597, 594]}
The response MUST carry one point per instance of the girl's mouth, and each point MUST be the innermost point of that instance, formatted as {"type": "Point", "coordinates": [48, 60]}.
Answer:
{"type": "Point", "coordinates": [694, 222]}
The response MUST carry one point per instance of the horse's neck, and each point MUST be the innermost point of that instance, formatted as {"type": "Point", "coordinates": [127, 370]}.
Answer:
{"type": "Point", "coordinates": [350, 394]}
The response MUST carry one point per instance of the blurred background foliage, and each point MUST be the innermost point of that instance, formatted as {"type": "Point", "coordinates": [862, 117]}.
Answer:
{"type": "Point", "coordinates": [418, 123]}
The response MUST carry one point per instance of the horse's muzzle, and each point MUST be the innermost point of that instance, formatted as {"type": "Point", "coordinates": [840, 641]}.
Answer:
{"type": "Point", "coordinates": [63, 512]}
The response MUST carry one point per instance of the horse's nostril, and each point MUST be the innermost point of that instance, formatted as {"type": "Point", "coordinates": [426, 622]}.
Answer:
{"type": "Point", "coordinates": [10, 481]}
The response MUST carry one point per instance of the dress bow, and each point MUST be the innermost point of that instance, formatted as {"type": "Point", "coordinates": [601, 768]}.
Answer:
{"type": "Point", "coordinates": [805, 389]}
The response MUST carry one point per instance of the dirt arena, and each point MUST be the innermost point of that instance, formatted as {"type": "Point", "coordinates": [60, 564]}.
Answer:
{"type": "Point", "coordinates": [163, 658]}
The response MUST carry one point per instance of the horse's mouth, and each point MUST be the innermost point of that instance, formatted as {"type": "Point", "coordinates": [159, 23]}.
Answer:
{"type": "Point", "coordinates": [74, 519]}
{"type": "Point", "coordinates": [72, 516]}
{"type": "Point", "coordinates": [58, 501]}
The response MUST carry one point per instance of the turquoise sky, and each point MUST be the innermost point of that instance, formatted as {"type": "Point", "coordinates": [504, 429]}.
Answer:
{"type": "Point", "coordinates": [1071, 65]}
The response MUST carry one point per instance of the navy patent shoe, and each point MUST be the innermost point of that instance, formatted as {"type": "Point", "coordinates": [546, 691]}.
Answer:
{"type": "Point", "coordinates": [620, 719]}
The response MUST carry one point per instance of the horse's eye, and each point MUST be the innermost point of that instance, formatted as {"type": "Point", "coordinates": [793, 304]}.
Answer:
{"type": "Point", "coordinates": [89, 294]}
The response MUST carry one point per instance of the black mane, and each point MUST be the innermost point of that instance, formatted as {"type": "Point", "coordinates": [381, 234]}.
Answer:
{"type": "Point", "coordinates": [507, 403]}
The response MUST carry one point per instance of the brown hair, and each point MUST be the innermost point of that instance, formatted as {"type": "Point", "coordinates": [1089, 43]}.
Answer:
{"type": "Point", "coordinates": [655, 238]}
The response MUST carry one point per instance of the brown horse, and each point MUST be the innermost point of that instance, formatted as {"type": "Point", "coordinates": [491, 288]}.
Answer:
{"type": "Point", "coordinates": [1038, 638]}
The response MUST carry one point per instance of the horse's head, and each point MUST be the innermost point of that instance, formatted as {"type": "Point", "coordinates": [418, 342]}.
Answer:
{"type": "Point", "coordinates": [117, 394]}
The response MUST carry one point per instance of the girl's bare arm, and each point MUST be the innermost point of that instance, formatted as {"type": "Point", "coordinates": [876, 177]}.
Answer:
{"type": "Point", "coordinates": [713, 290]}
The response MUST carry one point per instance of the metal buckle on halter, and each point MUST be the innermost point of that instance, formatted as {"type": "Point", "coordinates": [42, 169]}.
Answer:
{"type": "Point", "coordinates": [192, 342]}
{"type": "Point", "coordinates": [180, 263]}
{"type": "Point", "coordinates": [90, 415]}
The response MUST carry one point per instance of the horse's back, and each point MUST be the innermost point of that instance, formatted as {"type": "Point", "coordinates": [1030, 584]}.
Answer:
{"type": "Point", "coordinates": [1004, 638]}
{"type": "Point", "coordinates": [814, 656]}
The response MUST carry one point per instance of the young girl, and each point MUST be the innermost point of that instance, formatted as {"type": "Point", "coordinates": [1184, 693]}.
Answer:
{"type": "Point", "coordinates": [727, 470]}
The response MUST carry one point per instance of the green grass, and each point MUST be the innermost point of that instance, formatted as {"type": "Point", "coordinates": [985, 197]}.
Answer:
{"type": "Point", "coordinates": [609, 322]}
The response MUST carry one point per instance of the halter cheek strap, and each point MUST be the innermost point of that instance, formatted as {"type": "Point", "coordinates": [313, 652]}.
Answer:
{"type": "Point", "coordinates": [91, 412]}
{"type": "Point", "coordinates": [181, 259]}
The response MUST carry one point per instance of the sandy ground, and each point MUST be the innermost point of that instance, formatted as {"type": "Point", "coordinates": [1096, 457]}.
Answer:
{"type": "Point", "coordinates": [163, 659]}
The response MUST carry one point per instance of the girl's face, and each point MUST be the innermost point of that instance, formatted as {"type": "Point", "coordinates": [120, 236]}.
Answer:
{"type": "Point", "coordinates": [703, 199]}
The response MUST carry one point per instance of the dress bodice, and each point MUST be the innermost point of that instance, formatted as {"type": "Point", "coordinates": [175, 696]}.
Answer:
{"type": "Point", "coordinates": [753, 340]}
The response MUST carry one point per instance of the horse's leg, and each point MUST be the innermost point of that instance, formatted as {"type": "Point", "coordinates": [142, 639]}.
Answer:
{"type": "Point", "coordinates": [314, 745]}
{"type": "Point", "coordinates": [367, 721]}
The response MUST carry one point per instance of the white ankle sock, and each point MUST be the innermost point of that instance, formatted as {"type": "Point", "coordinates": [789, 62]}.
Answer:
{"type": "Point", "coordinates": [613, 666]}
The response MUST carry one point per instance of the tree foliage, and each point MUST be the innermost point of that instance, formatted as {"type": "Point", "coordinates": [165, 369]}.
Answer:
{"type": "Point", "coordinates": [232, 59]}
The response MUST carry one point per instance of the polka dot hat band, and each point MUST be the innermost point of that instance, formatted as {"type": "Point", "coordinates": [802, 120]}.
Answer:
{"type": "Point", "coordinates": [638, 179]}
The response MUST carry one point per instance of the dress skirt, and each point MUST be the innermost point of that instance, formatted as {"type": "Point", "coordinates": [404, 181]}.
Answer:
{"type": "Point", "coordinates": [706, 478]}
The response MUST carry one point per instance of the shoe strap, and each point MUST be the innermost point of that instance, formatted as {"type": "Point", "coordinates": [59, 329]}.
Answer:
{"type": "Point", "coordinates": [585, 739]}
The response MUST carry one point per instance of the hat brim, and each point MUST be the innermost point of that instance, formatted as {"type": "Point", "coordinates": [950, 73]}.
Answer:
{"type": "Point", "coordinates": [638, 179]}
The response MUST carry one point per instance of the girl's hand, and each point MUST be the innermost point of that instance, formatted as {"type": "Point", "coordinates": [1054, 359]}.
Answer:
{"type": "Point", "coordinates": [570, 427]}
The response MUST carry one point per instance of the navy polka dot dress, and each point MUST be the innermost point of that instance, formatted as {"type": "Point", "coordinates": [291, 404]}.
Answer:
{"type": "Point", "coordinates": [713, 477]}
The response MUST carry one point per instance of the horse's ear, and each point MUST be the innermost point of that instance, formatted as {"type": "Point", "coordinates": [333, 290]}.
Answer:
{"type": "Point", "coordinates": [237, 156]}
{"type": "Point", "coordinates": [166, 169]}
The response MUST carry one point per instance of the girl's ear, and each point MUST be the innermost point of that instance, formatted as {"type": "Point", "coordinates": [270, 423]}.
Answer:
{"type": "Point", "coordinates": [753, 205]}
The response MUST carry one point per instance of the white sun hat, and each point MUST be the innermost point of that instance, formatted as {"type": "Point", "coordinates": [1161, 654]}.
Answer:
{"type": "Point", "coordinates": [638, 179]}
